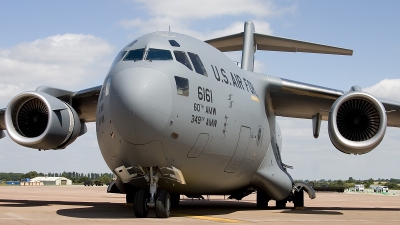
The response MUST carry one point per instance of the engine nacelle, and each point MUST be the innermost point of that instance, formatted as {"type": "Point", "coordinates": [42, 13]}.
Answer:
{"type": "Point", "coordinates": [38, 120]}
{"type": "Point", "coordinates": [357, 123]}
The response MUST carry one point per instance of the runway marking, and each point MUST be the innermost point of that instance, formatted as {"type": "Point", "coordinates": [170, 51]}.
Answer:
{"type": "Point", "coordinates": [210, 218]}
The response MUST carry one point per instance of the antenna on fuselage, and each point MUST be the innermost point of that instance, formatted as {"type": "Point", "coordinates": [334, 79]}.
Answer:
{"type": "Point", "coordinates": [169, 28]}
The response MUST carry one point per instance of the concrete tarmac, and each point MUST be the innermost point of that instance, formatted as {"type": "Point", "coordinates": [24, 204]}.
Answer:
{"type": "Point", "coordinates": [78, 204]}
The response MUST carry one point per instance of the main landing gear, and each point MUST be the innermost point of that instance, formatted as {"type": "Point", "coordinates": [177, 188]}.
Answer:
{"type": "Point", "coordinates": [146, 199]}
{"type": "Point", "coordinates": [297, 197]}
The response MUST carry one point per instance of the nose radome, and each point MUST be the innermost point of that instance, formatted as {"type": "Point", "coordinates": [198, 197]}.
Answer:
{"type": "Point", "coordinates": [140, 104]}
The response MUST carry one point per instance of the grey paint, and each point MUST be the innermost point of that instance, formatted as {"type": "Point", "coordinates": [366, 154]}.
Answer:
{"type": "Point", "coordinates": [141, 121]}
{"type": "Point", "coordinates": [248, 46]}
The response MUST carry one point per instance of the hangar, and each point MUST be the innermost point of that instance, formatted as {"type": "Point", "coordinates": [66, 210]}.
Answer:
{"type": "Point", "coordinates": [53, 180]}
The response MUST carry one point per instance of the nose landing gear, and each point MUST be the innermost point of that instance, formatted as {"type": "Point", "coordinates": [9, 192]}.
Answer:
{"type": "Point", "coordinates": [144, 199]}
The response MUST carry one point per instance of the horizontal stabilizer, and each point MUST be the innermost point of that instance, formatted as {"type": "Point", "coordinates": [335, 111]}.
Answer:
{"type": "Point", "coordinates": [271, 43]}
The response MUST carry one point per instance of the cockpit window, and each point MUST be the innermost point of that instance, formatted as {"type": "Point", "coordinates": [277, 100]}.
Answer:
{"type": "Point", "coordinates": [198, 65]}
{"type": "Point", "coordinates": [174, 43]}
{"type": "Point", "coordinates": [182, 58]}
{"type": "Point", "coordinates": [182, 86]}
{"type": "Point", "coordinates": [118, 58]}
{"type": "Point", "coordinates": [135, 55]}
{"type": "Point", "coordinates": [158, 54]}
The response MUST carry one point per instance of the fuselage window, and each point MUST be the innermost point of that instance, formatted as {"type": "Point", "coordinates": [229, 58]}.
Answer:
{"type": "Point", "coordinates": [118, 58]}
{"type": "Point", "coordinates": [174, 43]}
{"type": "Point", "coordinates": [182, 58]}
{"type": "Point", "coordinates": [134, 55]}
{"type": "Point", "coordinates": [198, 65]}
{"type": "Point", "coordinates": [182, 86]}
{"type": "Point", "coordinates": [158, 54]}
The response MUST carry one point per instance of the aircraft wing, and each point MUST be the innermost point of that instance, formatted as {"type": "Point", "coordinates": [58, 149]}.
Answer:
{"type": "Point", "coordinates": [300, 100]}
{"type": "Point", "coordinates": [84, 102]}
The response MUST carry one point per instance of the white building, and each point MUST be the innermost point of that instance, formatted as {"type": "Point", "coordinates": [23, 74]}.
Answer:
{"type": "Point", "coordinates": [53, 180]}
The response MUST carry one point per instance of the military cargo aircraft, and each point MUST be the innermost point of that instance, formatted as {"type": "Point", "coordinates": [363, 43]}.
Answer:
{"type": "Point", "coordinates": [175, 116]}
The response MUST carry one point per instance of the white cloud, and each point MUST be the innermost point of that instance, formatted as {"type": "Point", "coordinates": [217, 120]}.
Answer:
{"type": "Point", "coordinates": [65, 61]}
{"type": "Point", "coordinates": [183, 9]}
{"type": "Point", "coordinates": [179, 14]}
{"type": "Point", "coordinates": [386, 89]}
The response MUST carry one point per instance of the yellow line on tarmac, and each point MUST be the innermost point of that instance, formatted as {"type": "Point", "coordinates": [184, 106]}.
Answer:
{"type": "Point", "coordinates": [210, 218]}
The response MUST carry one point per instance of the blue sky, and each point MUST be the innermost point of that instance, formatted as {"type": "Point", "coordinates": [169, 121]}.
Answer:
{"type": "Point", "coordinates": [71, 44]}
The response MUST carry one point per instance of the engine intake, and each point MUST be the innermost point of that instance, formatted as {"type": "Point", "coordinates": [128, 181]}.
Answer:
{"type": "Point", "coordinates": [38, 120]}
{"type": "Point", "coordinates": [357, 123]}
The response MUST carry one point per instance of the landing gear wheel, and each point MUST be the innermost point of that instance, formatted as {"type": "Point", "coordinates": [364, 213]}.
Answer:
{"type": "Point", "coordinates": [262, 199]}
{"type": "Point", "coordinates": [163, 204]}
{"type": "Point", "coordinates": [298, 200]}
{"type": "Point", "coordinates": [130, 197]}
{"type": "Point", "coordinates": [281, 204]}
{"type": "Point", "coordinates": [140, 204]}
{"type": "Point", "coordinates": [175, 199]}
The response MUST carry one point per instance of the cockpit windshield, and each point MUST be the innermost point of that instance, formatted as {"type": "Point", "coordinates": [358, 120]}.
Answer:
{"type": "Point", "coordinates": [135, 55]}
{"type": "Point", "coordinates": [158, 54]}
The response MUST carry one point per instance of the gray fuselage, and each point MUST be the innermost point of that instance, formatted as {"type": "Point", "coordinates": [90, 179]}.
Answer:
{"type": "Point", "coordinates": [162, 112]}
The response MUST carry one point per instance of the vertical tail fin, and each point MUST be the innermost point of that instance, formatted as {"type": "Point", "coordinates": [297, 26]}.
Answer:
{"type": "Point", "coordinates": [249, 47]}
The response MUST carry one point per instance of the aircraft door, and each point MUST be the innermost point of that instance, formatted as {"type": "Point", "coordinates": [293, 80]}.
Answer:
{"type": "Point", "coordinates": [241, 149]}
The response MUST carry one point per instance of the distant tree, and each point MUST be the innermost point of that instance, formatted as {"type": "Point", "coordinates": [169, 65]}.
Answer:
{"type": "Point", "coordinates": [105, 179]}
{"type": "Point", "coordinates": [368, 182]}
{"type": "Point", "coordinates": [82, 179]}
{"type": "Point", "coordinates": [31, 174]}
{"type": "Point", "coordinates": [392, 185]}
{"type": "Point", "coordinates": [340, 183]}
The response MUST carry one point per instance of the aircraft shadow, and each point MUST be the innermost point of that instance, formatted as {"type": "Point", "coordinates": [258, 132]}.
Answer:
{"type": "Point", "coordinates": [107, 210]}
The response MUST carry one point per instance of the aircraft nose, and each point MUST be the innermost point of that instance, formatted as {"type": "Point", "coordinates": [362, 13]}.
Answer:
{"type": "Point", "coordinates": [140, 103]}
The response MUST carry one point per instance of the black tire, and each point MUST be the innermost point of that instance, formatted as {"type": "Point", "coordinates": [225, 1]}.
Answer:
{"type": "Point", "coordinates": [163, 204]}
{"type": "Point", "coordinates": [140, 207]}
{"type": "Point", "coordinates": [175, 199]}
{"type": "Point", "coordinates": [281, 204]}
{"type": "Point", "coordinates": [262, 199]}
{"type": "Point", "coordinates": [298, 200]}
{"type": "Point", "coordinates": [130, 197]}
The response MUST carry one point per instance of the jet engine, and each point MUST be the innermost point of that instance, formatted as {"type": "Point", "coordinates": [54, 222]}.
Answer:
{"type": "Point", "coordinates": [357, 123]}
{"type": "Point", "coordinates": [38, 120]}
